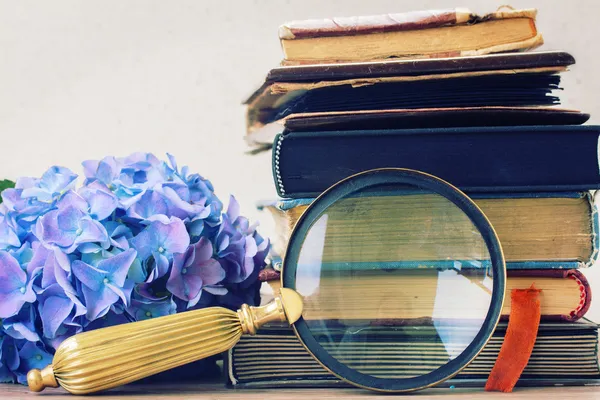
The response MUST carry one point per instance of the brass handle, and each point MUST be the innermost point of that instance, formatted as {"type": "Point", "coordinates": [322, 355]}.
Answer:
{"type": "Point", "coordinates": [109, 357]}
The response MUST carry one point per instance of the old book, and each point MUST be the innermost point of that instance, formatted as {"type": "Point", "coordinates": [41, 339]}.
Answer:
{"type": "Point", "coordinates": [565, 296]}
{"type": "Point", "coordinates": [292, 91]}
{"type": "Point", "coordinates": [261, 138]}
{"type": "Point", "coordinates": [564, 354]}
{"type": "Point", "coordinates": [544, 230]}
{"type": "Point", "coordinates": [408, 35]}
{"type": "Point", "coordinates": [480, 159]}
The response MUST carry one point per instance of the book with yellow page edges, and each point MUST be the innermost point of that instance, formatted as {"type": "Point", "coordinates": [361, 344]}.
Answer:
{"type": "Point", "coordinates": [537, 230]}
{"type": "Point", "coordinates": [433, 33]}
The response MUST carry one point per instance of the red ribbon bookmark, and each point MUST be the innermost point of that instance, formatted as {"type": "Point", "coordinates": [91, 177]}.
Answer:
{"type": "Point", "coordinates": [523, 323]}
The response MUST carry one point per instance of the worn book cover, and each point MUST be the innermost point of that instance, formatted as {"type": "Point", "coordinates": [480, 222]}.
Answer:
{"type": "Point", "coordinates": [433, 33]}
{"type": "Point", "coordinates": [298, 90]}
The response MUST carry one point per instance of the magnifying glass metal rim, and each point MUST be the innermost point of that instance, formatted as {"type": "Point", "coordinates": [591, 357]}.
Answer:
{"type": "Point", "coordinates": [425, 181]}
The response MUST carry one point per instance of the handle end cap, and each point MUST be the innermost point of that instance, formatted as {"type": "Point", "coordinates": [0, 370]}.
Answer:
{"type": "Point", "coordinates": [35, 380]}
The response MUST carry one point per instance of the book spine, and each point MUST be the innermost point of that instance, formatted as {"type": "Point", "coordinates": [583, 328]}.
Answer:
{"type": "Point", "coordinates": [586, 295]}
{"type": "Point", "coordinates": [595, 229]}
{"type": "Point", "coordinates": [277, 145]}
{"type": "Point", "coordinates": [585, 292]}
{"type": "Point", "coordinates": [347, 26]}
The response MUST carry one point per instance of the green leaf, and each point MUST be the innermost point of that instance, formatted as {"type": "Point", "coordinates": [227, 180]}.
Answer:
{"type": "Point", "coordinates": [5, 184]}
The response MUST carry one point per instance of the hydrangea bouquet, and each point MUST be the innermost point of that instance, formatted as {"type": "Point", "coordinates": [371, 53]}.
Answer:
{"type": "Point", "coordinates": [140, 239]}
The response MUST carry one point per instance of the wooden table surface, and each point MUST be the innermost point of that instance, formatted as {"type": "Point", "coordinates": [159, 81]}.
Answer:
{"type": "Point", "coordinates": [218, 391]}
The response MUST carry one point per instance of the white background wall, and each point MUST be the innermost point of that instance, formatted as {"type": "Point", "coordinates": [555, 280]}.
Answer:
{"type": "Point", "coordinates": [86, 79]}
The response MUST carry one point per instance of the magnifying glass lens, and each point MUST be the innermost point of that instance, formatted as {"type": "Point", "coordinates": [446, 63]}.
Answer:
{"type": "Point", "coordinates": [397, 282]}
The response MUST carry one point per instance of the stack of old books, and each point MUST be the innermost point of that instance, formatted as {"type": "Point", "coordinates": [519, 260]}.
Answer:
{"type": "Point", "coordinates": [424, 91]}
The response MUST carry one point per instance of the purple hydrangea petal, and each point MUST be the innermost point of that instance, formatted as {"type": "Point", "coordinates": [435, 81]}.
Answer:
{"type": "Point", "coordinates": [216, 290]}
{"type": "Point", "coordinates": [74, 200]}
{"type": "Point", "coordinates": [22, 325]}
{"type": "Point", "coordinates": [251, 248]}
{"type": "Point", "coordinates": [90, 276]}
{"type": "Point", "coordinates": [90, 167]}
{"type": "Point", "coordinates": [150, 204]}
{"type": "Point", "coordinates": [8, 235]}
{"type": "Point", "coordinates": [203, 249]}
{"type": "Point", "coordinates": [106, 170]}
{"type": "Point", "coordinates": [146, 242]}
{"type": "Point", "coordinates": [68, 219]}
{"type": "Point", "coordinates": [178, 207]}
{"type": "Point", "coordinates": [40, 254]}
{"type": "Point", "coordinates": [233, 209]}
{"type": "Point", "coordinates": [69, 227]}
{"type": "Point", "coordinates": [91, 231]}
{"type": "Point", "coordinates": [54, 309]}
{"type": "Point", "coordinates": [194, 269]}
{"type": "Point", "coordinates": [211, 272]}
{"type": "Point", "coordinates": [101, 203]}
{"type": "Point", "coordinates": [124, 293]}
{"type": "Point", "coordinates": [161, 267]}
{"type": "Point", "coordinates": [98, 302]}
{"type": "Point", "coordinates": [15, 287]}
{"type": "Point", "coordinates": [118, 266]}
{"type": "Point", "coordinates": [48, 231]}
{"type": "Point", "coordinates": [176, 238]}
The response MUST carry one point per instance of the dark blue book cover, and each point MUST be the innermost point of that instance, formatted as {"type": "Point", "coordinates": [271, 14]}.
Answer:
{"type": "Point", "coordinates": [475, 159]}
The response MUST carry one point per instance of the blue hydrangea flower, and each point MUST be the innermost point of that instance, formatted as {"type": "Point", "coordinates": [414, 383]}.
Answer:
{"type": "Point", "coordinates": [142, 238]}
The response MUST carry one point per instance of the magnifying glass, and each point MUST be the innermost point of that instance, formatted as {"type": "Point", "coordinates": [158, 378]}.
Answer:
{"type": "Point", "coordinates": [393, 280]}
